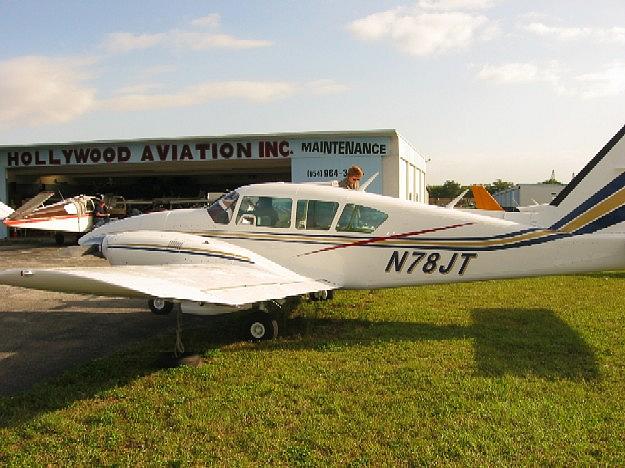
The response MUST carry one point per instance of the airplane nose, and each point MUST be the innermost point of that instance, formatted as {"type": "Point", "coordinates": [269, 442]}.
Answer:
{"type": "Point", "coordinates": [92, 238]}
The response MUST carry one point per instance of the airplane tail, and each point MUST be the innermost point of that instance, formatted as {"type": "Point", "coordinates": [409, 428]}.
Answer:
{"type": "Point", "coordinates": [595, 199]}
{"type": "Point", "coordinates": [484, 200]}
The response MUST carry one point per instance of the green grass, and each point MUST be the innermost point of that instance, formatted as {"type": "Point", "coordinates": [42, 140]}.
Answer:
{"type": "Point", "coordinates": [514, 372]}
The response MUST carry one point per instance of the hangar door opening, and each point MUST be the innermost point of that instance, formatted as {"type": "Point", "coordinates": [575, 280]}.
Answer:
{"type": "Point", "coordinates": [136, 184]}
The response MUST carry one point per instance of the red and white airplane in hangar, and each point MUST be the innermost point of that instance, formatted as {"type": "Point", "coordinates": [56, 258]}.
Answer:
{"type": "Point", "coordinates": [267, 242]}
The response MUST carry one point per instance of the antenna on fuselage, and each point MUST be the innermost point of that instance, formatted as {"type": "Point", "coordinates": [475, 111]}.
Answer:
{"type": "Point", "coordinates": [364, 186]}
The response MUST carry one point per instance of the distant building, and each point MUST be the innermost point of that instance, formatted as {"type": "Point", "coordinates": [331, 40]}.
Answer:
{"type": "Point", "coordinates": [527, 194]}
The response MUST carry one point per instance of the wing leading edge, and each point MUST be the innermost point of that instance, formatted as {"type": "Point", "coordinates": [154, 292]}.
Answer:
{"type": "Point", "coordinates": [217, 284]}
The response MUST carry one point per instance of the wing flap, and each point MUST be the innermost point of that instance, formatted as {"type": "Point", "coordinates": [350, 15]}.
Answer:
{"type": "Point", "coordinates": [219, 284]}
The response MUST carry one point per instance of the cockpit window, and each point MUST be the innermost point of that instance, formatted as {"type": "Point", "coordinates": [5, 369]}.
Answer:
{"type": "Point", "coordinates": [222, 209]}
{"type": "Point", "coordinates": [358, 218]}
{"type": "Point", "coordinates": [315, 214]}
{"type": "Point", "coordinates": [265, 212]}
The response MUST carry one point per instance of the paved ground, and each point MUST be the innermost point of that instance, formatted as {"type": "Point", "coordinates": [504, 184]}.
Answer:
{"type": "Point", "coordinates": [44, 333]}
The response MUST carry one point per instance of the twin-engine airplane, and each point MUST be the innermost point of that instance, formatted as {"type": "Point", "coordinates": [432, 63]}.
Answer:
{"type": "Point", "coordinates": [267, 242]}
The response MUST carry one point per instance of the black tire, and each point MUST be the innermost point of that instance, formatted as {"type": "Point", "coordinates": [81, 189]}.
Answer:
{"type": "Point", "coordinates": [160, 306]}
{"type": "Point", "coordinates": [59, 238]}
{"type": "Point", "coordinates": [325, 295]}
{"type": "Point", "coordinates": [260, 326]}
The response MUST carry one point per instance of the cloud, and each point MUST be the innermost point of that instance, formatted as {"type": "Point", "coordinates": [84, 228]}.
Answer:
{"type": "Point", "coordinates": [614, 35]}
{"type": "Point", "coordinates": [325, 86]}
{"type": "Point", "coordinates": [455, 5]}
{"type": "Point", "coordinates": [423, 33]}
{"type": "Point", "coordinates": [519, 73]}
{"type": "Point", "coordinates": [38, 90]}
{"type": "Point", "coordinates": [608, 82]}
{"type": "Point", "coordinates": [203, 41]}
{"type": "Point", "coordinates": [123, 42]}
{"type": "Point", "coordinates": [255, 91]}
{"type": "Point", "coordinates": [141, 97]}
{"type": "Point", "coordinates": [210, 21]}
{"type": "Point", "coordinates": [605, 83]}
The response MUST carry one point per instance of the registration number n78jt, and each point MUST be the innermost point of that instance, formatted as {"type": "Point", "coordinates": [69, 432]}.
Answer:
{"type": "Point", "coordinates": [429, 262]}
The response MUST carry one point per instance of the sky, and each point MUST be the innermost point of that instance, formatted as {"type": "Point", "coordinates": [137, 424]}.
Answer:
{"type": "Point", "coordinates": [483, 89]}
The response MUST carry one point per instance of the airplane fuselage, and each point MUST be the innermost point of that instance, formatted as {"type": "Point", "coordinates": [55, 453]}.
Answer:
{"type": "Point", "coordinates": [415, 244]}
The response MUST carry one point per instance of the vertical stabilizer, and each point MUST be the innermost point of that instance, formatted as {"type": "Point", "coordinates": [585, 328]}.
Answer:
{"type": "Point", "coordinates": [595, 198]}
{"type": "Point", "coordinates": [484, 200]}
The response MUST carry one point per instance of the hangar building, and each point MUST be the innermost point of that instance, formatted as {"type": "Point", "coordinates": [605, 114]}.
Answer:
{"type": "Point", "coordinates": [527, 194]}
{"type": "Point", "coordinates": [195, 166]}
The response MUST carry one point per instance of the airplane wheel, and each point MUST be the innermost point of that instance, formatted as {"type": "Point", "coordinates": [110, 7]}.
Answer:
{"type": "Point", "coordinates": [160, 306]}
{"type": "Point", "coordinates": [260, 326]}
{"type": "Point", "coordinates": [324, 295]}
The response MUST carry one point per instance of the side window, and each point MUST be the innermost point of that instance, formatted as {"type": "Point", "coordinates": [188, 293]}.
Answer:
{"type": "Point", "coordinates": [358, 218]}
{"type": "Point", "coordinates": [221, 210]}
{"type": "Point", "coordinates": [265, 212]}
{"type": "Point", "coordinates": [315, 214]}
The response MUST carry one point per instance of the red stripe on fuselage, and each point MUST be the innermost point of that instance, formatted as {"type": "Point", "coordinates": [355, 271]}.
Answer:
{"type": "Point", "coordinates": [373, 240]}
{"type": "Point", "coordinates": [11, 222]}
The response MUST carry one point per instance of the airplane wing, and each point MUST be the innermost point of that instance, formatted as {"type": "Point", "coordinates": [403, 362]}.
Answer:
{"type": "Point", "coordinates": [31, 205]}
{"type": "Point", "coordinates": [229, 284]}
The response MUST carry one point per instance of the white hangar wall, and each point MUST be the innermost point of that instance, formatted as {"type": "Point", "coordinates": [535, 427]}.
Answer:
{"type": "Point", "coordinates": [305, 157]}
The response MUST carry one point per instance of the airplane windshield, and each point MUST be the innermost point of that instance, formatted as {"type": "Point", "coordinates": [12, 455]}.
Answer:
{"type": "Point", "coordinates": [222, 209]}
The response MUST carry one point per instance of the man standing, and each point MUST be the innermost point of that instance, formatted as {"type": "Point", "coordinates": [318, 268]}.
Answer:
{"type": "Point", "coordinates": [100, 213]}
{"type": "Point", "coordinates": [352, 181]}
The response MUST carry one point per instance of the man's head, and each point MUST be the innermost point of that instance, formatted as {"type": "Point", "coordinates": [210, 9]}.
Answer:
{"type": "Point", "coordinates": [354, 174]}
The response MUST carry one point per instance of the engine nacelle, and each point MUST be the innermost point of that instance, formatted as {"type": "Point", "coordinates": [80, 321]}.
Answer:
{"type": "Point", "coordinates": [163, 247]}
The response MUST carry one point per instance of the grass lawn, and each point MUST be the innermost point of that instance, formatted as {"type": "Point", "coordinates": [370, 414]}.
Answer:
{"type": "Point", "coordinates": [527, 371]}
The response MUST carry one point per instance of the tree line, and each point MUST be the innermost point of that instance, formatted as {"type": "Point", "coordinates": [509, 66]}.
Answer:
{"type": "Point", "coordinates": [451, 188]}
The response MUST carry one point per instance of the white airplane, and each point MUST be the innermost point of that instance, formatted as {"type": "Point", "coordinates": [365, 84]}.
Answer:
{"type": "Point", "coordinates": [267, 242]}
{"type": "Point", "coordinates": [75, 215]}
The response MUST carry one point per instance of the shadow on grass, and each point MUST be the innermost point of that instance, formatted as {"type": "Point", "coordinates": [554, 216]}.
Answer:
{"type": "Point", "coordinates": [523, 342]}
{"type": "Point", "coordinates": [520, 342]}
{"type": "Point", "coordinates": [530, 342]}
{"type": "Point", "coordinates": [605, 274]}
